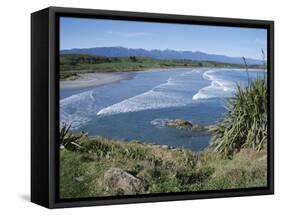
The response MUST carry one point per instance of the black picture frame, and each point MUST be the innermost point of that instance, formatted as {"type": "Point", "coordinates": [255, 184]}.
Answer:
{"type": "Point", "coordinates": [45, 106]}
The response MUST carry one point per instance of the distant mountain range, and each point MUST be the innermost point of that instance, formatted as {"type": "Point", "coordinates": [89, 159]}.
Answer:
{"type": "Point", "coordinates": [159, 54]}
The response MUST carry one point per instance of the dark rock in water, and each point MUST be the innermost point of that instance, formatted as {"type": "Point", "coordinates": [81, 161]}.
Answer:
{"type": "Point", "coordinates": [121, 182]}
{"type": "Point", "coordinates": [179, 123]}
{"type": "Point", "coordinates": [184, 124]}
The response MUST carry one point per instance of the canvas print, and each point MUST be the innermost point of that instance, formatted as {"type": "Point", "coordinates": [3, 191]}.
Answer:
{"type": "Point", "coordinates": [153, 108]}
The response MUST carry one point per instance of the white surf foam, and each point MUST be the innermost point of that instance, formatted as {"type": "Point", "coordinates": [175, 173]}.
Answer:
{"type": "Point", "coordinates": [169, 94]}
{"type": "Point", "coordinates": [146, 101]}
{"type": "Point", "coordinates": [76, 109]}
{"type": "Point", "coordinates": [218, 88]}
{"type": "Point", "coordinates": [159, 123]}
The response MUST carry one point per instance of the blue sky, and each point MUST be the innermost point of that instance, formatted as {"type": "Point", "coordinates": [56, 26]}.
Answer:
{"type": "Point", "coordinates": [230, 41]}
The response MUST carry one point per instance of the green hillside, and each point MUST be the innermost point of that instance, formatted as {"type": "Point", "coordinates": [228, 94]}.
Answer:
{"type": "Point", "coordinates": [73, 64]}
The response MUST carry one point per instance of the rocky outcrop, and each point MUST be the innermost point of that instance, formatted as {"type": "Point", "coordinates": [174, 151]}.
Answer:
{"type": "Point", "coordinates": [179, 123]}
{"type": "Point", "coordinates": [120, 182]}
{"type": "Point", "coordinates": [184, 124]}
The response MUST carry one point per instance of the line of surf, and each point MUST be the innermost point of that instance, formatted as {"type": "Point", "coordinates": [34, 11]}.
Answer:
{"type": "Point", "coordinates": [165, 95]}
{"type": "Point", "coordinates": [75, 109]}
{"type": "Point", "coordinates": [218, 87]}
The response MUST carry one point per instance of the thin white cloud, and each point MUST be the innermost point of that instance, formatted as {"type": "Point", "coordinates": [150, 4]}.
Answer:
{"type": "Point", "coordinates": [131, 34]}
{"type": "Point", "coordinates": [260, 41]}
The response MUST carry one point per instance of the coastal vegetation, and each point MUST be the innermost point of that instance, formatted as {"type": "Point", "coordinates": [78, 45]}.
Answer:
{"type": "Point", "coordinates": [245, 123]}
{"type": "Point", "coordinates": [73, 64]}
{"type": "Point", "coordinates": [97, 166]}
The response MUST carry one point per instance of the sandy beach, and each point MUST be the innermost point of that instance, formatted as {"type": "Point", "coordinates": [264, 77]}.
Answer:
{"type": "Point", "coordinates": [86, 80]}
{"type": "Point", "coordinates": [94, 79]}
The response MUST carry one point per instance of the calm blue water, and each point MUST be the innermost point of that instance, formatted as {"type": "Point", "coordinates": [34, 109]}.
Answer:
{"type": "Point", "coordinates": [136, 108]}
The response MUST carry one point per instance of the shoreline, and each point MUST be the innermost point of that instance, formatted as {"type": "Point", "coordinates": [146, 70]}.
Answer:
{"type": "Point", "coordinates": [86, 80]}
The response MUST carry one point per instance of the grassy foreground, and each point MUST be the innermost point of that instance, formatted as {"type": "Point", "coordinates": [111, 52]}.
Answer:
{"type": "Point", "coordinates": [158, 169]}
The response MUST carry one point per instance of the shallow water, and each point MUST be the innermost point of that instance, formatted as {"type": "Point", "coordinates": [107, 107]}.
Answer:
{"type": "Point", "coordinates": [136, 108]}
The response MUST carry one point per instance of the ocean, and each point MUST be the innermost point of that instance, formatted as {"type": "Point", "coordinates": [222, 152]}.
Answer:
{"type": "Point", "coordinates": [137, 108]}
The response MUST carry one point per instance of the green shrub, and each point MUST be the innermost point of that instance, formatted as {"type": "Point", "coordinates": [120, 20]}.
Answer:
{"type": "Point", "coordinates": [68, 139]}
{"type": "Point", "coordinates": [245, 124]}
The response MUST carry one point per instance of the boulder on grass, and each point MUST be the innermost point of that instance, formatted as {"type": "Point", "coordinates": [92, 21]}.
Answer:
{"type": "Point", "coordinates": [122, 183]}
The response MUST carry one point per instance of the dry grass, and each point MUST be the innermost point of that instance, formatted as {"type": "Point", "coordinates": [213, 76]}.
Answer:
{"type": "Point", "coordinates": [162, 169]}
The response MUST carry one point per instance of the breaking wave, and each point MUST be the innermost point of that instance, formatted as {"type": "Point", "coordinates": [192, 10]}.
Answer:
{"type": "Point", "coordinates": [76, 109]}
{"type": "Point", "coordinates": [170, 94]}
{"type": "Point", "coordinates": [219, 87]}
{"type": "Point", "coordinates": [159, 123]}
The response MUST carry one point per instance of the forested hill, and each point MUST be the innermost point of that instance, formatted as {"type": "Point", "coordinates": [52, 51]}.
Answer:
{"type": "Point", "coordinates": [166, 54]}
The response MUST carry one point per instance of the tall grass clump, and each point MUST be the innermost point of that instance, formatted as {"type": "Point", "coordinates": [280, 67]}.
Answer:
{"type": "Point", "coordinates": [68, 139]}
{"type": "Point", "coordinates": [245, 124]}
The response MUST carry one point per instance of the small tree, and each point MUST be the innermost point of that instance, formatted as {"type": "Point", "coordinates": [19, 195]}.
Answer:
{"type": "Point", "coordinates": [133, 58]}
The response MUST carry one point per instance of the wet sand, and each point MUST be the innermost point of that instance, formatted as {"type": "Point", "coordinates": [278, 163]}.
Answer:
{"type": "Point", "coordinates": [94, 79]}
